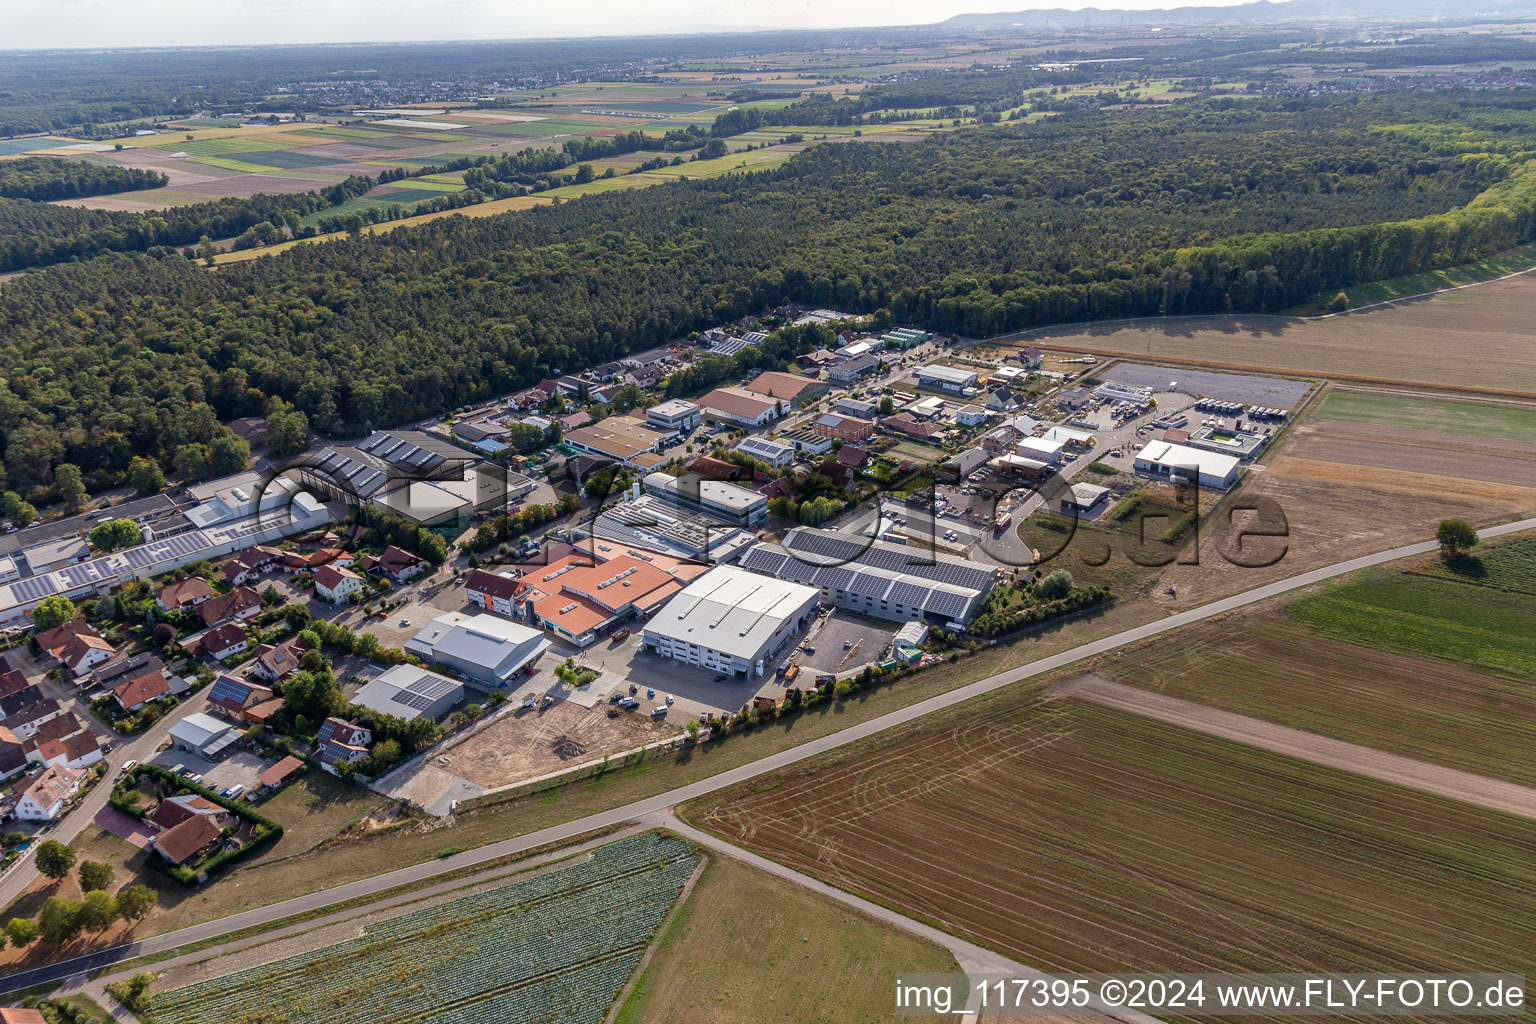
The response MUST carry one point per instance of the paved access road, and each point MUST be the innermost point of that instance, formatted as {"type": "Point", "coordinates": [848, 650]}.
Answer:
{"type": "Point", "coordinates": [641, 809]}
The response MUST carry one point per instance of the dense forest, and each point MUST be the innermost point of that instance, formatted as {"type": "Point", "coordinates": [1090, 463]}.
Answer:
{"type": "Point", "coordinates": [36, 234]}
{"type": "Point", "coordinates": [48, 178]}
{"type": "Point", "coordinates": [1201, 207]}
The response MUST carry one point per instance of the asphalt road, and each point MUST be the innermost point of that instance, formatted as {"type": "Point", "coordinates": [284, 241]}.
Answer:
{"type": "Point", "coordinates": [641, 809]}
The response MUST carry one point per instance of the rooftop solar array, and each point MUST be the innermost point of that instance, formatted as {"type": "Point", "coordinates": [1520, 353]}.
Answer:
{"type": "Point", "coordinates": [822, 548]}
{"type": "Point", "coordinates": [949, 600]}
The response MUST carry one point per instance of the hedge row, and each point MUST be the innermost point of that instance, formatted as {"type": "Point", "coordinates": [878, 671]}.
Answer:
{"type": "Point", "coordinates": [265, 832]}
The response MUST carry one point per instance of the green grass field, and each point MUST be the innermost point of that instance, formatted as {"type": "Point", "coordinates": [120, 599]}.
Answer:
{"type": "Point", "coordinates": [1519, 258]}
{"type": "Point", "coordinates": [707, 969]}
{"type": "Point", "coordinates": [1507, 566]}
{"type": "Point", "coordinates": [225, 147]}
{"type": "Point", "coordinates": [1470, 419]}
{"type": "Point", "coordinates": [1435, 618]}
{"type": "Point", "coordinates": [230, 164]}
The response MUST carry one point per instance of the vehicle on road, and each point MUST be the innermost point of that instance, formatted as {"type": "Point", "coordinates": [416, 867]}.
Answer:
{"type": "Point", "coordinates": [127, 767]}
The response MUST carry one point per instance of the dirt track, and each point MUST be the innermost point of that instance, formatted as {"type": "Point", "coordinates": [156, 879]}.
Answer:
{"type": "Point", "coordinates": [1375, 764]}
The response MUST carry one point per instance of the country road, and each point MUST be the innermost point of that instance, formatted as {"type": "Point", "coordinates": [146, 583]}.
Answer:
{"type": "Point", "coordinates": [641, 809]}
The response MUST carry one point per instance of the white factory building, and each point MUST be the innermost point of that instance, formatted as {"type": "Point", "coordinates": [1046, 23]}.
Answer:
{"type": "Point", "coordinates": [732, 621]}
{"type": "Point", "coordinates": [1041, 449]}
{"type": "Point", "coordinates": [484, 650]}
{"type": "Point", "coordinates": [1164, 461]}
{"type": "Point", "coordinates": [693, 493]}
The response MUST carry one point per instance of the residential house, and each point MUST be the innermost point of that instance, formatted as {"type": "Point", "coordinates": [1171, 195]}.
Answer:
{"type": "Point", "coordinates": [339, 740]}
{"type": "Point", "coordinates": [25, 722]}
{"type": "Point", "coordinates": [188, 842]}
{"type": "Point", "coordinates": [574, 420]}
{"type": "Point", "coordinates": [53, 729]}
{"type": "Point", "coordinates": [241, 603]}
{"type": "Point", "coordinates": [605, 394]}
{"type": "Point", "coordinates": [22, 698]}
{"type": "Point", "coordinates": [910, 426]}
{"type": "Point", "coordinates": [13, 755]}
{"type": "Point", "coordinates": [175, 810]}
{"type": "Point", "coordinates": [605, 373]}
{"type": "Point", "coordinates": [12, 680]}
{"type": "Point", "coordinates": [78, 751]}
{"type": "Point", "coordinates": [223, 642]}
{"type": "Point", "coordinates": [852, 456]}
{"type": "Point", "coordinates": [970, 416]}
{"type": "Point", "coordinates": [646, 377]}
{"type": "Point", "coordinates": [76, 646]}
{"type": "Point", "coordinates": [248, 566]}
{"type": "Point", "coordinates": [839, 474]}
{"type": "Point", "coordinates": [187, 593]}
{"type": "Point", "coordinates": [779, 487]}
{"type": "Point", "coordinates": [140, 690]}
{"type": "Point", "coordinates": [276, 662]}
{"type": "Point", "coordinates": [846, 371]}
{"type": "Point", "coordinates": [121, 669]}
{"type": "Point", "coordinates": [44, 796]}
{"type": "Point", "coordinates": [235, 696]}
{"type": "Point", "coordinates": [491, 591]}
{"type": "Point", "coordinates": [843, 428]}
{"type": "Point", "coordinates": [820, 357]}
{"type": "Point", "coordinates": [336, 585]}
{"type": "Point", "coordinates": [396, 563]}
{"type": "Point", "coordinates": [715, 469]}
{"type": "Point", "coordinates": [533, 398]}
{"type": "Point", "coordinates": [1030, 358]}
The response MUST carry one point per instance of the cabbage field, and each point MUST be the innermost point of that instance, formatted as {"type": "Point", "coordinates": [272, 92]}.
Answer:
{"type": "Point", "coordinates": [555, 947]}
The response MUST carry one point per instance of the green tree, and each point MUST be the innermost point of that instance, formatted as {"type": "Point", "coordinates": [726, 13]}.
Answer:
{"type": "Point", "coordinates": [20, 513]}
{"type": "Point", "coordinates": [1456, 536]}
{"type": "Point", "coordinates": [191, 461]}
{"type": "Point", "coordinates": [134, 901]}
{"type": "Point", "coordinates": [145, 475]}
{"type": "Point", "coordinates": [54, 859]}
{"type": "Point", "coordinates": [887, 405]}
{"type": "Point", "coordinates": [21, 931]}
{"type": "Point", "coordinates": [94, 875]}
{"type": "Point", "coordinates": [59, 920]}
{"type": "Point", "coordinates": [114, 534]}
{"type": "Point", "coordinates": [51, 611]}
{"type": "Point", "coordinates": [69, 486]}
{"type": "Point", "coordinates": [98, 910]}
{"type": "Point", "coordinates": [1055, 586]}
{"type": "Point", "coordinates": [228, 454]}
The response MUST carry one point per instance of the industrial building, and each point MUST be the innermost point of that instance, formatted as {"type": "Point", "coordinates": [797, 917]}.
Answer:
{"type": "Point", "coordinates": [406, 691]}
{"type": "Point", "coordinates": [1242, 444]}
{"type": "Point", "coordinates": [1083, 497]}
{"type": "Point", "coordinates": [890, 581]}
{"type": "Point", "coordinates": [728, 502]}
{"type": "Point", "coordinates": [789, 387]}
{"type": "Point", "coordinates": [1040, 449]}
{"type": "Point", "coordinates": [1163, 461]}
{"type": "Point", "coordinates": [203, 734]}
{"type": "Point", "coordinates": [652, 524]}
{"type": "Point", "coordinates": [741, 407]}
{"type": "Point", "coordinates": [732, 621]}
{"type": "Point", "coordinates": [484, 650]}
{"type": "Point", "coordinates": [947, 378]}
{"type": "Point", "coordinates": [775, 454]}
{"type": "Point", "coordinates": [674, 415]}
{"type": "Point", "coordinates": [624, 439]}
{"type": "Point", "coordinates": [581, 601]}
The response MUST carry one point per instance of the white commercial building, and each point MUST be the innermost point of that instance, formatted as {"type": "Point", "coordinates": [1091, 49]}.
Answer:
{"type": "Point", "coordinates": [1040, 448]}
{"type": "Point", "coordinates": [693, 493]}
{"type": "Point", "coordinates": [947, 378]}
{"type": "Point", "coordinates": [203, 734]}
{"type": "Point", "coordinates": [775, 454]}
{"type": "Point", "coordinates": [732, 621]}
{"type": "Point", "coordinates": [674, 414]}
{"type": "Point", "coordinates": [1164, 461]}
{"type": "Point", "coordinates": [483, 649]}
{"type": "Point", "coordinates": [1069, 436]}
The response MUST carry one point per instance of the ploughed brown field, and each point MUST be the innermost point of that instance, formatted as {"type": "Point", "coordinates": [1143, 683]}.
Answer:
{"type": "Point", "coordinates": [1478, 337]}
{"type": "Point", "coordinates": [1074, 837]}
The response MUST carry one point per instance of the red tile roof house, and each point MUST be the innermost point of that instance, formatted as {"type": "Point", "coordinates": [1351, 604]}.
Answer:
{"type": "Point", "coordinates": [44, 796]}
{"type": "Point", "coordinates": [223, 642]}
{"type": "Point", "coordinates": [188, 841]}
{"type": "Point", "coordinates": [12, 680]}
{"type": "Point", "coordinates": [81, 750]}
{"type": "Point", "coordinates": [235, 696]}
{"type": "Point", "coordinates": [240, 603]}
{"type": "Point", "coordinates": [904, 423]}
{"type": "Point", "coordinates": [249, 565]}
{"type": "Point", "coordinates": [140, 690]}
{"type": "Point", "coordinates": [76, 646]}
{"type": "Point", "coordinates": [340, 740]}
{"type": "Point", "coordinates": [400, 564]}
{"type": "Point", "coordinates": [491, 591]}
{"type": "Point", "coordinates": [193, 590]}
{"type": "Point", "coordinates": [335, 584]}
{"type": "Point", "coordinates": [64, 725]}
{"type": "Point", "coordinates": [275, 663]}
{"type": "Point", "coordinates": [175, 810]}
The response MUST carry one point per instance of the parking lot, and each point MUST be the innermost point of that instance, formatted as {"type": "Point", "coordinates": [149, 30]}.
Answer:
{"type": "Point", "coordinates": [841, 644]}
{"type": "Point", "coordinates": [239, 768]}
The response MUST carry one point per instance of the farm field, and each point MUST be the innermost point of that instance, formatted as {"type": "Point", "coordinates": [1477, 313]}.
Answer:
{"type": "Point", "coordinates": [1466, 419]}
{"type": "Point", "coordinates": [1274, 668]}
{"type": "Point", "coordinates": [1401, 343]}
{"type": "Point", "coordinates": [709, 970]}
{"type": "Point", "coordinates": [1074, 837]}
{"type": "Point", "coordinates": [559, 944]}
{"type": "Point", "coordinates": [1510, 565]}
{"type": "Point", "coordinates": [1475, 626]}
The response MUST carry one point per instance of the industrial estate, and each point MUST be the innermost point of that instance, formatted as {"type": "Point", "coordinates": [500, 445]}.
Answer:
{"type": "Point", "coordinates": [1178, 593]}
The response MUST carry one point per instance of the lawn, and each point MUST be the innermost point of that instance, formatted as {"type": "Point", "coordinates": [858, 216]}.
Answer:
{"type": "Point", "coordinates": [1073, 837]}
{"type": "Point", "coordinates": [1469, 419]}
{"type": "Point", "coordinates": [1273, 668]}
{"type": "Point", "coordinates": [1476, 626]}
{"type": "Point", "coordinates": [708, 969]}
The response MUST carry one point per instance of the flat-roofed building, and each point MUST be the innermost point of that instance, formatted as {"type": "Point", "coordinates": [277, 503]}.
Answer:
{"type": "Point", "coordinates": [647, 524]}
{"type": "Point", "coordinates": [675, 415]}
{"type": "Point", "coordinates": [775, 454]}
{"type": "Point", "coordinates": [947, 378]}
{"type": "Point", "coordinates": [732, 621]}
{"type": "Point", "coordinates": [1041, 449]}
{"type": "Point", "coordinates": [725, 501]}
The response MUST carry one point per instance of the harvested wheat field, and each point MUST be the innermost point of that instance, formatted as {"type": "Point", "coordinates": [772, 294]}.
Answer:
{"type": "Point", "coordinates": [1475, 338]}
{"type": "Point", "coordinates": [527, 744]}
{"type": "Point", "coordinates": [1075, 837]}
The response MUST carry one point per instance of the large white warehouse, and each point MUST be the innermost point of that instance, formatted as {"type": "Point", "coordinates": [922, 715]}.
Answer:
{"type": "Point", "coordinates": [733, 621]}
{"type": "Point", "coordinates": [1164, 461]}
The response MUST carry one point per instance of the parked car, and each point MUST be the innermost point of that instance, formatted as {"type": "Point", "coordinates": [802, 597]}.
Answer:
{"type": "Point", "coordinates": [233, 792]}
{"type": "Point", "coordinates": [669, 700]}
{"type": "Point", "coordinates": [720, 678]}
{"type": "Point", "coordinates": [615, 697]}
{"type": "Point", "coordinates": [622, 634]}
{"type": "Point", "coordinates": [179, 769]}
{"type": "Point", "coordinates": [194, 778]}
{"type": "Point", "coordinates": [629, 704]}
{"type": "Point", "coordinates": [658, 712]}
{"type": "Point", "coordinates": [127, 767]}
{"type": "Point", "coordinates": [650, 693]}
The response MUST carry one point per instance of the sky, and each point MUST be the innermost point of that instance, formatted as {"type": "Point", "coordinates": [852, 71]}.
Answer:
{"type": "Point", "coordinates": [34, 24]}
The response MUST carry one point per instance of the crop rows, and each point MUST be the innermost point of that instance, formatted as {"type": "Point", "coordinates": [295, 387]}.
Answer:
{"type": "Point", "coordinates": [558, 946]}
{"type": "Point", "coordinates": [1509, 566]}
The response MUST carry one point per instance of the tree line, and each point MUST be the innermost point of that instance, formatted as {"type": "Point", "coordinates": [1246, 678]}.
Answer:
{"type": "Point", "coordinates": [46, 179]}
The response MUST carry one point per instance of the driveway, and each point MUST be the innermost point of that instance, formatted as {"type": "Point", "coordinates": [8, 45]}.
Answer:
{"type": "Point", "coordinates": [128, 829]}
